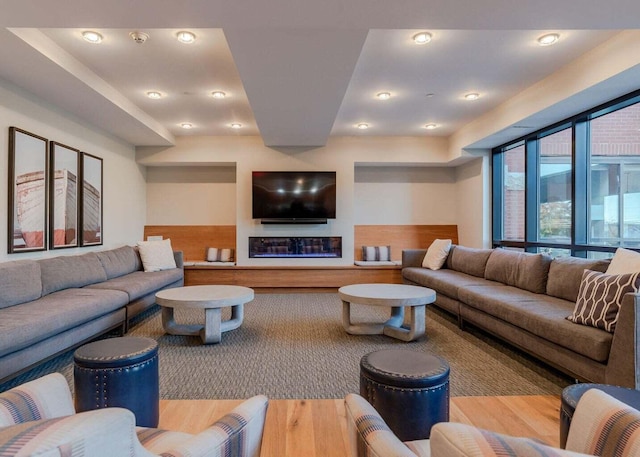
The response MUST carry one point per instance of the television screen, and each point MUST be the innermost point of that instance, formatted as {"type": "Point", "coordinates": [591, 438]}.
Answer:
{"type": "Point", "coordinates": [294, 195]}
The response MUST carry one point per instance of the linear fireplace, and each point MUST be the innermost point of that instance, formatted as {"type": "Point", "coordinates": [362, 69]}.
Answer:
{"type": "Point", "coordinates": [295, 247]}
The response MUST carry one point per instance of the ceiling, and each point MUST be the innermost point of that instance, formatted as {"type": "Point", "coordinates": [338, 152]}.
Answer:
{"type": "Point", "coordinates": [294, 72]}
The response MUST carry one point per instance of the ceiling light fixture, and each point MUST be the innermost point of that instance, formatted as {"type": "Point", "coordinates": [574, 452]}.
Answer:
{"type": "Point", "coordinates": [218, 94]}
{"type": "Point", "coordinates": [92, 37]}
{"type": "Point", "coordinates": [362, 126]}
{"type": "Point", "coordinates": [548, 39]}
{"type": "Point", "coordinates": [422, 38]}
{"type": "Point", "coordinates": [186, 37]}
{"type": "Point", "coordinates": [186, 125]}
{"type": "Point", "coordinates": [236, 125]}
{"type": "Point", "coordinates": [472, 96]}
{"type": "Point", "coordinates": [383, 95]}
{"type": "Point", "coordinates": [431, 126]}
{"type": "Point", "coordinates": [154, 94]}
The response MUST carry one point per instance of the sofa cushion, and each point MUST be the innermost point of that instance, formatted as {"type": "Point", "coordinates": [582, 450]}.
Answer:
{"type": "Point", "coordinates": [600, 297]}
{"type": "Point", "coordinates": [540, 315]}
{"type": "Point", "coordinates": [565, 275]}
{"type": "Point", "coordinates": [118, 262]}
{"type": "Point", "coordinates": [54, 314]}
{"type": "Point", "coordinates": [64, 272]}
{"type": "Point", "coordinates": [444, 281]}
{"type": "Point", "coordinates": [624, 261]}
{"type": "Point", "coordinates": [468, 260]}
{"type": "Point", "coordinates": [19, 282]}
{"type": "Point", "coordinates": [140, 283]}
{"type": "Point", "coordinates": [520, 269]}
{"type": "Point", "coordinates": [156, 255]}
{"type": "Point", "coordinates": [436, 254]}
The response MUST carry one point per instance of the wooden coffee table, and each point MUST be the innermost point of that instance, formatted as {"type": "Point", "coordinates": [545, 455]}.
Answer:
{"type": "Point", "coordinates": [209, 298]}
{"type": "Point", "coordinates": [395, 296]}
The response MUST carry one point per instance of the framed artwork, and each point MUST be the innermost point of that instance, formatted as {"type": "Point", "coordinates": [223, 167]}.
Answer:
{"type": "Point", "coordinates": [91, 200]}
{"type": "Point", "coordinates": [63, 196]}
{"type": "Point", "coordinates": [28, 189]}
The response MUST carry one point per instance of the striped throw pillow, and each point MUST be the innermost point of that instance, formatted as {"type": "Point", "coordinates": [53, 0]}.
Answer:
{"type": "Point", "coordinates": [376, 253]}
{"type": "Point", "coordinates": [219, 255]}
{"type": "Point", "coordinates": [600, 297]}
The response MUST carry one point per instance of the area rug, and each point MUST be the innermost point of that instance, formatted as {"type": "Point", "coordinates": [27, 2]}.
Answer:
{"type": "Point", "coordinates": [294, 346]}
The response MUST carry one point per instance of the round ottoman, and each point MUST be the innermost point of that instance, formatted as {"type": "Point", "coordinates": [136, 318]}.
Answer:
{"type": "Point", "coordinates": [572, 394]}
{"type": "Point", "coordinates": [409, 389]}
{"type": "Point", "coordinates": [119, 372]}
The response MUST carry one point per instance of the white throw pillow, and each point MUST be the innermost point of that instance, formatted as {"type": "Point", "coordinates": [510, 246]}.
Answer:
{"type": "Point", "coordinates": [436, 254]}
{"type": "Point", "coordinates": [156, 255]}
{"type": "Point", "coordinates": [624, 261]}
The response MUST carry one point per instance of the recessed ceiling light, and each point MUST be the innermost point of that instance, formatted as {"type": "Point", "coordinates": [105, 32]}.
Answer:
{"type": "Point", "coordinates": [362, 126]}
{"type": "Point", "coordinates": [472, 96]}
{"type": "Point", "coordinates": [186, 125]}
{"type": "Point", "coordinates": [548, 39]}
{"type": "Point", "coordinates": [431, 126]}
{"type": "Point", "coordinates": [236, 125]}
{"type": "Point", "coordinates": [186, 37]}
{"type": "Point", "coordinates": [218, 94]}
{"type": "Point", "coordinates": [383, 95]}
{"type": "Point", "coordinates": [154, 94]}
{"type": "Point", "coordinates": [92, 37]}
{"type": "Point", "coordinates": [422, 38]}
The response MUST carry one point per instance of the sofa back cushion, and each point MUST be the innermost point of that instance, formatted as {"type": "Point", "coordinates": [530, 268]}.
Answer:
{"type": "Point", "coordinates": [520, 269]}
{"type": "Point", "coordinates": [468, 260]}
{"type": "Point", "coordinates": [71, 271]}
{"type": "Point", "coordinates": [565, 275]}
{"type": "Point", "coordinates": [119, 262]}
{"type": "Point", "coordinates": [19, 282]}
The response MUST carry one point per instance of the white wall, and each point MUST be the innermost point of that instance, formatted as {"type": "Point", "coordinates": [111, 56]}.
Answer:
{"type": "Point", "coordinates": [473, 205]}
{"type": "Point", "coordinates": [124, 180]}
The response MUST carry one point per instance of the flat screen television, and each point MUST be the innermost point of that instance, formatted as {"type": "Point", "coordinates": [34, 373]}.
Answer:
{"type": "Point", "coordinates": [294, 196]}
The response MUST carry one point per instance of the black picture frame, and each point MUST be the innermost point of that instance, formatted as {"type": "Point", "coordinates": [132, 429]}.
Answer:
{"type": "Point", "coordinates": [91, 197]}
{"type": "Point", "coordinates": [64, 202]}
{"type": "Point", "coordinates": [28, 192]}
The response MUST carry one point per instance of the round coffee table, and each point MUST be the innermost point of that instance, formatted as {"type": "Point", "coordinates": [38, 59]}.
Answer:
{"type": "Point", "coordinates": [396, 296]}
{"type": "Point", "coordinates": [209, 298]}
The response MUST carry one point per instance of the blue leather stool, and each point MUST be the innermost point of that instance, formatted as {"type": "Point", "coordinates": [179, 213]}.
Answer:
{"type": "Point", "coordinates": [120, 372]}
{"type": "Point", "coordinates": [572, 394]}
{"type": "Point", "coordinates": [409, 389]}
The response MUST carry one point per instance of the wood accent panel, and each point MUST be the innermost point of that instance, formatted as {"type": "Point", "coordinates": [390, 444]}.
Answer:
{"type": "Point", "coordinates": [193, 240]}
{"type": "Point", "coordinates": [318, 428]}
{"type": "Point", "coordinates": [274, 277]}
{"type": "Point", "coordinates": [400, 237]}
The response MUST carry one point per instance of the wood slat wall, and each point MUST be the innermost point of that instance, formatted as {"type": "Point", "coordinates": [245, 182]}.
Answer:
{"type": "Point", "coordinates": [400, 237]}
{"type": "Point", "coordinates": [193, 240]}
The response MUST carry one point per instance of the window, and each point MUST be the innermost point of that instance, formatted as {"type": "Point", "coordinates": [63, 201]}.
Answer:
{"type": "Point", "coordinates": [513, 193]}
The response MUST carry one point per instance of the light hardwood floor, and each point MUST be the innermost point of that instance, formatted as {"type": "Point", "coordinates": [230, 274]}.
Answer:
{"type": "Point", "coordinates": [317, 428]}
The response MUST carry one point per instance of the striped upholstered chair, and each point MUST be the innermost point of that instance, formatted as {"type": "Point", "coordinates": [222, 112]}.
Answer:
{"type": "Point", "coordinates": [38, 418]}
{"type": "Point", "coordinates": [601, 426]}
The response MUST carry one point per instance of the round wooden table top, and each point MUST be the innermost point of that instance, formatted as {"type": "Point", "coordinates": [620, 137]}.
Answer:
{"type": "Point", "coordinates": [387, 294]}
{"type": "Point", "coordinates": [212, 296]}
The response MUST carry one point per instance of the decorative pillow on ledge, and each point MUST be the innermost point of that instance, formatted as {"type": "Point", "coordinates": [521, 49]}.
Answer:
{"type": "Point", "coordinates": [436, 254]}
{"type": "Point", "coordinates": [378, 253]}
{"type": "Point", "coordinates": [219, 255]}
{"type": "Point", "coordinates": [600, 297]}
{"type": "Point", "coordinates": [156, 255]}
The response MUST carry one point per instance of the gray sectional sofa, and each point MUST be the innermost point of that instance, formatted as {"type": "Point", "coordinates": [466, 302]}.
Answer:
{"type": "Point", "coordinates": [50, 305]}
{"type": "Point", "coordinates": [524, 299]}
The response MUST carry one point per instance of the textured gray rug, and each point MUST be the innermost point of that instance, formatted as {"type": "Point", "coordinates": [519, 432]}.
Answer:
{"type": "Point", "coordinates": [294, 346]}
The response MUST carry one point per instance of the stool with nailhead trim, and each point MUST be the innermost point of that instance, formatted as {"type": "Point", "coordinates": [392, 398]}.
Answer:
{"type": "Point", "coordinates": [120, 372]}
{"type": "Point", "coordinates": [409, 389]}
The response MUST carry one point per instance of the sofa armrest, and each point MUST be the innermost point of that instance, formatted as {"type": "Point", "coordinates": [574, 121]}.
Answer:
{"type": "Point", "coordinates": [179, 258]}
{"type": "Point", "coordinates": [623, 366]}
{"type": "Point", "coordinates": [413, 257]}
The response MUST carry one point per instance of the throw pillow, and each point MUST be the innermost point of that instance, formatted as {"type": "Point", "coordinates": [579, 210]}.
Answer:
{"type": "Point", "coordinates": [600, 297]}
{"type": "Point", "coordinates": [624, 261]}
{"type": "Point", "coordinates": [376, 253]}
{"type": "Point", "coordinates": [156, 255]}
{"type": "Point", "coordinates": [219, 255]}
{"type": "Point", "coordinates": [436, 254]}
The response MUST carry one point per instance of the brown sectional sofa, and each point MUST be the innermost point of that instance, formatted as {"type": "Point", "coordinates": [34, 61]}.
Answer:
{"type": "Point", "coordinates": [525, 299]}
{"type": "Point", "coordinates": [50, 305]}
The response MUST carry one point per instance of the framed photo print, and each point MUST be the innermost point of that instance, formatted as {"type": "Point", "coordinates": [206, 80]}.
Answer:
{"type": "Point", "coordinates": [28, 188]}
{"type": "Point", "coordinates": [63, 196]}
{"type": "Point", "coordinates": [91, 198]}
